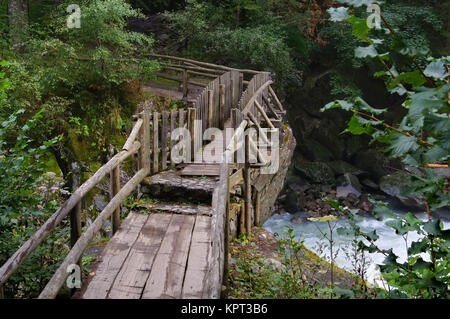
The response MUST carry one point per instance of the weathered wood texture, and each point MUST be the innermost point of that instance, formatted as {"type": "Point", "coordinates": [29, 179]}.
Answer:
{"type": "Point", "coordinates": [58, 279]}
{"type": "Point", "coordinates": [154, 256]}
{"type": "Point", "coordinates": [49, 226]}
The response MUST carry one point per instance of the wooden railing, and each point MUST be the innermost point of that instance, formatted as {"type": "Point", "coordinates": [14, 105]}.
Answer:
{"type": "Point", "coordinates": [249, 113]}
{"type": "Point", "coordinates": [138, 141]}
{"type": "Point", "coordinates": [222, 99]}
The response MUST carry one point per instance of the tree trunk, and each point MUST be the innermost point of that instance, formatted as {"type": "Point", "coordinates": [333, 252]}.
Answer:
{"type": "Point", "coordinates": [18, 22]}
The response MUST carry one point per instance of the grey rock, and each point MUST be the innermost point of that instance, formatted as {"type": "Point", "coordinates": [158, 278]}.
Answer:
{"type": "Point", "coordinates": [392, 185]}
{"type": "Point", "coordinates": [100, 202]}
{"type": "Point", "coordinates": [370, 184]}
{"type": "Point", "coordinates": [317, 172]}
{"type": "Point", "coordinates": [349, 186]}
{"type": "Point", "coordinates": [298, 220]}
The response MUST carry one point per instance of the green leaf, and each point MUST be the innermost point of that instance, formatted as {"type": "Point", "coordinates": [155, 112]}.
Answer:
{"type": "Point", "coordinates": [360, 28]}
{"type": "Point", "coordinates": [364, 106]}
{"type": "Point", "coordinates": [433, 227]}
{"type": "Point", "coordinates": [362, 52]}
{"type": "Point", "coordinates": [436, 153]}
{"type": "Point", "coordinates": [347, 106]}
{"type": "Point", "coordinates": [436, 70]}
{"type": "Point", "coordinates": [415, 78]}
{"type": "Point", "coordinates": [402, 144]}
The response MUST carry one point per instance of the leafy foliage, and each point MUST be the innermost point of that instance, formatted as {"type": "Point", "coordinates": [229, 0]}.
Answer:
{"type": "Point", "coordinates": [419, 139]}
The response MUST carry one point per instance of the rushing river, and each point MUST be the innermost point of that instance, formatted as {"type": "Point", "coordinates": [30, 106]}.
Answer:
{"type": "Point", "coordinates": [309, 233]}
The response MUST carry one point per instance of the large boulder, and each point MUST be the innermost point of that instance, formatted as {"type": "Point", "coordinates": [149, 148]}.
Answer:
{"type": "Point", "coordinates": [342, 167]}
{"type": "Point", "coordinates": [317, 172]}
{"type": "Point", "coordinates": [349, 184]}
{"type": "Point", "coordinates": [393, 184]}
{"type": "Point", "coordinates": [374, 162]}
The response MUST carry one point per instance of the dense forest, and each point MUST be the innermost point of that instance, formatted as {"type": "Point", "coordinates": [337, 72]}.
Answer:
{"type": "Point", "coordinates": [366, 89]}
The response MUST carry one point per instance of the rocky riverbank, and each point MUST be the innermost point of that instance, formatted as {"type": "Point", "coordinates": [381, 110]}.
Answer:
{"type": "Point", "coordinates": [308, 183]}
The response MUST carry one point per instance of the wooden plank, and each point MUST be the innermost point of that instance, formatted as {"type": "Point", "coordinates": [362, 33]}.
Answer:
{"type": "Point", "coordinates": [155, 142]}
{"type": "Point", "coordinates": [130, 282]}
{"type": "Point", "coordinates": [236, 178]}
{"type": "Point", "coordinates": [57, 281]}
{"type": "Point", "coordinates": [201, 170]}
{"type": "Point", "coordinates": [178, 208]}
{"type": "Point", "coordinates": [222, 106]}
{"type": "Point", "coordinates": [197, 267]}
{"type": "Point", "coordinates": [166, 277]}
{"type": "Point", "coordinates": [210, 108]}
{"type": "Point", "coordinates": [165, 116]}
{"type": "Point", "coordinates": [113, 256]}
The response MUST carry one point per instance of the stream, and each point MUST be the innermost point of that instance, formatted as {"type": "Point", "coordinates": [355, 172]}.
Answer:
{"type": "Point", "coordinates": [309, 233]}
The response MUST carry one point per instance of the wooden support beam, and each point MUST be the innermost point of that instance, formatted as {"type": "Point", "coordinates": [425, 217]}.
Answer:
{"type": "Point", "coordinates": [261, 132]}
{"type": "Point", "coordinates": [277, 101]}
{"type": "Point", "coordinates": [115, 189]}
{"type": "Point", "coordinates": [257, 208]}
{"type": "Point", "coordinates": [242, 220]}
{"type": "Point", "coordinates": [263, 113]}
{"type": "Point", "coordinates": [270, 107]}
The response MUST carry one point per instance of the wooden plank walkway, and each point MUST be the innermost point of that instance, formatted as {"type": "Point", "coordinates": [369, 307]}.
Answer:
{"type": "Point", "coordinates": [154, 256]}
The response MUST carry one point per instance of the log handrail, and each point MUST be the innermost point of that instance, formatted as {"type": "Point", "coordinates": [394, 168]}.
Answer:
{"type": "Point", "coordinates": [58, 279]}
{"type": "Point", "coordinates": [130, 147]}
{"type": "Point", "coordinates": [203, 64]}
{"type": "Point", "coordinates": [31, 244]}
{"type": "Point", "coordinates": [255, 96]}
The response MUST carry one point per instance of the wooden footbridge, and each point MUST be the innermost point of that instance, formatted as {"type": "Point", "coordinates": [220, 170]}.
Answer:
{"type": "Point", "coordinates": [174, 246]}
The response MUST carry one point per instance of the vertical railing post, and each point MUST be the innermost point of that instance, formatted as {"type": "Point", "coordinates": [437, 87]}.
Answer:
{"type": "Point", "coordinates": [247, 187]}
{"type": "Point", "coordinates": [257, 208]}
{"type": "Point", "coordinates": [222, 106]}
{"type": "Point", "coordinates": [144, 139]}
{"type": "Point", "coordinates": [192, 115]}
{"type": "Point", "coordinates": [115, 188]}
{"type": "Point", "coordinates": [2, 292]}
{"type": "Point", "coordinates": [227, 229]}
{"type": "Point", "coordinates": [210, 109]}
{"type": "Point", "coordinates": [75, 213]}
